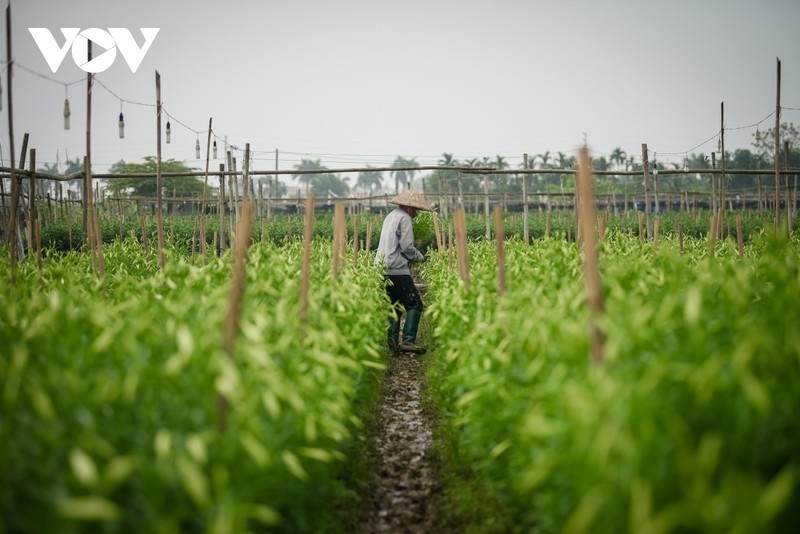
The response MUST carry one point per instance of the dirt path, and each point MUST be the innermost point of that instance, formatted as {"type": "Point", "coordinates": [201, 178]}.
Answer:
{"type": "Point", "coordinates": [402, 496]}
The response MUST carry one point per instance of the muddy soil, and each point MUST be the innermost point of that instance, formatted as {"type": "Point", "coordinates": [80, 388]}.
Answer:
{"type": "Point", "coordinates": [402, 497]}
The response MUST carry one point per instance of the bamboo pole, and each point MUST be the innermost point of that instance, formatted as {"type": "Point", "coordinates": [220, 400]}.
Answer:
{"type": "Point", "coordinates": [98, 240]}
{"type": "Point", "coordinates": [305, 269]}
{"type": "Point", "coordinates": [205, 191]}
{"type": "Point", "coordinates": [525, 230]}
{"type": "Point", "coordinates": [655, 233]}
{"type": "Point", "coordinates": [739, 237]}
{"type": "Point", "coordinates": [461, 246]}
{"type": "Point", "coordinates": [159, 221]}
{"type": "Point", "coordinates": [39, 250]}
{"type": "Point", "coordinates": [232, 320]}
{"type": "Point", "coordinates": [500, 235]}
{"type": "Point", "coordinates": [32, 216]}
{"type": "Point", "coordinates": [486, 207]}
{"type": "Point", "coordinates": [591, 264]}
{"type": "Point", "coordinates": [723, 182]}
{"type": "Point", "coordinates": [777, 147]}
{"type": "Point", "coordinates": [789, 220]}
{"type": "Point", "coordinates": [246, 172]}
{"type": "Point", "coordinates": [712, 235]}
{"type": "Point", "coordinates": [646, 171]}
{"type": "Point", "coordinates": [439, 245]}
{"type": "Point", "coordinates": [450, 244]}
{"type": "Point", "coordinates": [194, 239]}
{"type": "Point", "coordinates": [339, 239]}
{"type": "Point", "coordinates": [355, 242]}
{"type": "Point", "coordinates": [90, 227]}
{"type": "Point", "coordinates": [221, 209]}
{"type": "Point", "coordinates": [87, 182]}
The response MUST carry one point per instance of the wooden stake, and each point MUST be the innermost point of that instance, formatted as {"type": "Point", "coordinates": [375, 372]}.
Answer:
{"type": "Point", "coordinates": [525, 230]}
{"type": "Point", "coordinates": [739, 237]}
{"type": "Point", "coordinates": [777, 149]}
{"type": "Point", "coordinates": [712, 236]}
{"type": "Point", "coordinates": [355, 242]}
{"type": "Point", "coordinates": [32, 215]}
{"type": "Point", "coordinates": [439, 246]}
{"type": "Point", "coordinates": [221, 209]}
{"type": "Point", "coordinates": [591, 264]}
{"type": "Point", "coordinates": [641, 225]}
{"type": "Point", "coordinates": [646, 170]}
{"type": "Point", "coordinates": [655, 233]}
{"type": "Point", "coordinates": [450, 244]}
{"type": "Point", "coordinates": [98, 240]}
{"type": "Point", "coordinates": [789, 221]}
{"type": "Point", "coordinates": [500, 235]}
{"type": "Point", "coordinates": [194, 238]}
{"type": "Point", "coordinates": [232, 319]}
{"type": "Point", "coordinates": [305, 269]}
{"type": "Point", "coordinates": [159, 222]}
{"type": "Point", "coordinates": [39, 250]}
{"type": "Point", "coordinates": [205, 191]}
{"type": "Point", "coordinates": [203, 246]}
{"type": "Point", "coordinates": [461, 246]}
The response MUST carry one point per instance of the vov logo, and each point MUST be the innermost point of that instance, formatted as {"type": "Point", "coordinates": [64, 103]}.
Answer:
{"type": "Point", "coordinates": [111, 40]}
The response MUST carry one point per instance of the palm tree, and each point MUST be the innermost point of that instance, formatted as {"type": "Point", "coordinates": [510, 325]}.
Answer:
{"type": "Point", "coordinates": [403, 175]}
{"type": "Point", "coordinates": [369, 179]}
{"type": "Point", "coordinates": [446, 176]}
{"type": "Point", "coordinates": [308, 165]}
{"type": "Point", "coordinates": [617, 159]}
{"type": "Point", "coordinates": [564, 162]}
{"type": "Point", "coordinates": [500, 180]}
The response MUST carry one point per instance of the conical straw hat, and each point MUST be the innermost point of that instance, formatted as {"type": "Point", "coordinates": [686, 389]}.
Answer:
{"type": "Point", "coordinates": [412, 198]}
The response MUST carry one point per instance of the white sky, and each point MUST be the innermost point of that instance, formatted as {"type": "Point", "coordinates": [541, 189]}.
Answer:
{"type": "Point", "coordinates": [360, 82]}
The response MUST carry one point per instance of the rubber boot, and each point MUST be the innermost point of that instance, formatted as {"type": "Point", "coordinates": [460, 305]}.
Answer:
{"type": "Point", "coordinates": [393, 334]}
{"type": "Point", "coordinates": [410, 332]}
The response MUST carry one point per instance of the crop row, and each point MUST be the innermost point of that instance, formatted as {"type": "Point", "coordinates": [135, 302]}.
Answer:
{"type": "Point", "coordinates": [181, 230]}
{"type": "Point", "coordinates": [690, 422]}
{"type": "Point", "coordinates": [109, 393]}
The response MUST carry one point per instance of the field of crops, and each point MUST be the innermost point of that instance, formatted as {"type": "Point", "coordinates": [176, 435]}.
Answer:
{"type": "Point", "coordinates": [109, 393]}
{"type": "Point", "coordinates": [691, 422]}
{"type": "Point", "coordinates": [110, 388]}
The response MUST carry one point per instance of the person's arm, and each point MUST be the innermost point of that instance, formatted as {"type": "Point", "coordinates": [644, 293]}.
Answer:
{"type": "Point", "coordinates": [406, 238]}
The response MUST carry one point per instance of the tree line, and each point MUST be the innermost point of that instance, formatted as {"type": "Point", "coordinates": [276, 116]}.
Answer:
{"type": "Point", "coordinates": [448, 181]}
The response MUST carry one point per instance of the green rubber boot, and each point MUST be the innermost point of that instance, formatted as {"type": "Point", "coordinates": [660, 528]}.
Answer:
{"type": "Point", "coordinates": [410, 333]}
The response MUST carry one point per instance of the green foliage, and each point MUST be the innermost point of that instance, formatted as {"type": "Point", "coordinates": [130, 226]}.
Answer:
{"type": "Point", "coordinates": [325, 184]}
{"type": "Point", "coordinates": [147, 187]}
{"type": "Point", "coordinates": [689, 426]}
{"type": "Point", "coordinates": [108, 393]}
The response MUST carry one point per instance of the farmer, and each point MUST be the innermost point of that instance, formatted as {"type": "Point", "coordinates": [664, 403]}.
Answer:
{"type": "Point", "coordinates": [395, 251]}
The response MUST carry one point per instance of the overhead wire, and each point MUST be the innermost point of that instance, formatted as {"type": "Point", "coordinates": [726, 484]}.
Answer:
{"type": "Point", "coordinates": [367, 159]}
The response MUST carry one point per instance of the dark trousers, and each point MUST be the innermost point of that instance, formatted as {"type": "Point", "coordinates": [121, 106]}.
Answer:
{"type": "Point", "coordinates": [402, 290]}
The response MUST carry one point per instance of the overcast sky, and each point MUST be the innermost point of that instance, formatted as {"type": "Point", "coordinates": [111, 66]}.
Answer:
{"type": "Point", "coordinates": [357, 82]}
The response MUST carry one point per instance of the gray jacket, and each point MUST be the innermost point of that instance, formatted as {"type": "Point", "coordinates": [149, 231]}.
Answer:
{"type": "Point", "coordinates": [396, 247]}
